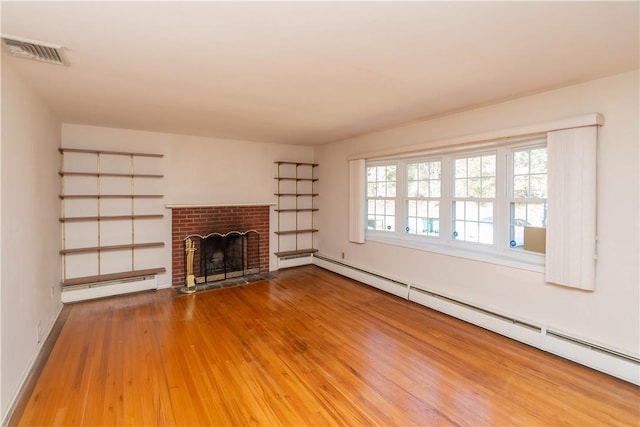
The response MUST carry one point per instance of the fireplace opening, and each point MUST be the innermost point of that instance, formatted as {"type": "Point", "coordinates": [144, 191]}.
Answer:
{"type": "Point", "coordinates": [222, 256]}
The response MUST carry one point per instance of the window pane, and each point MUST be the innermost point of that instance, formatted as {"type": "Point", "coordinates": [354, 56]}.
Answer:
{"type": "Point", "coordinates": [391, 189]}
{"type": "Point", "coordinates": [471, 211]}
{"type": "Point", "coordinates": [412, 189]}
{"type": "Point", "coordinates": [537, 214]}
{"type": "Point", "coordinates": [390, 173]}
{"type": "Point", "coordinates": [423, 189]}
{"type": "Point", "coordinates": [371, 190]}
{"type": "Point", "coordinates": [434, 188]}
{"type": "Point", "coordinates": [434, 209]}
{"type": "Point", "coordinates": [461, 188]}
{"type": "Point", "coordinates": [521, 162]}
{"type": "Point", "coordinates": [434, 170]}
{"type": "Point", "coordinates": [461, 168]}
{"type": "Point", "coordinates": [521, 186]}
{"type": "Point", "coordinates": [489, 166]}
{"type": "Point", "coordinates": [423, 171]}
{"type": "Point", "coordinates": [371, 222]}
{"type": "Point", "coordinates": [475, 187]}
{"type": "Point", "coordinates": [486, 211]}
{"type": "Point", "coordinates": [488, 188]}
{"type": "Point", "coordinates": [539, 160]}
{"type": "Point", "coordinates": [473, 167]}
{"type": "Point", "coordinates": [423, 208]}
{"type": "Point", "coordinates": [458, 210]}
{"type": "Point", "coordinates": [538, 186]}
{"type": "Point", "coordinates": [412, 172]}
{"type": "Point", "coordinates": [389, 207]}
{"type": "Point", "coordinates": [371, 174]}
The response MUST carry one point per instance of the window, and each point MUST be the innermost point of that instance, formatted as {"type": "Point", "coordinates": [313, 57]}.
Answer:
{"type": "Point", "coordinates": [466, 201]}
{"type": "Point", "coordinates": [474, 198]}
{"type": "Point", "coordinates": [528, 203]}
{"type": "Point", "coordinates": [424, 186]}
{"type": "Point", "coordinates": [381, 198]}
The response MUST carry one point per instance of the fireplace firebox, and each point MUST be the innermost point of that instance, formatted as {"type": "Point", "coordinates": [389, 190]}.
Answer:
{"type": "Point", "coordinates": [222, 256]}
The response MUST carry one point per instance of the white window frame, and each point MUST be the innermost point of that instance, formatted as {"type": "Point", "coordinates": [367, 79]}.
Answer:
{"type": "Point", "coordinates": [367, 198]}
{"type": "Point", "coordinates": [499, 252]}
{"type": "Point", "coordinates": [405, 198]}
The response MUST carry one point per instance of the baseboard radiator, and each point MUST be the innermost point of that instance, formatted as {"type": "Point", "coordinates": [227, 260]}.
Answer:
{"type": "Point", "coordinates": [106, 289]}
{"type": "Point", "coordinates": [612, 362]}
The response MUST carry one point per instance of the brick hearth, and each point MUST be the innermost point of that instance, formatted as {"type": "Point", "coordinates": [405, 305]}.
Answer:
{"type": "Point", "coordinates": [218, 219]}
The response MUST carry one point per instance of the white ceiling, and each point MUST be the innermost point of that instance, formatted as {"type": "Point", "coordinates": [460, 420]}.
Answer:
{"type": "Point", "coordinates": [310, 72]}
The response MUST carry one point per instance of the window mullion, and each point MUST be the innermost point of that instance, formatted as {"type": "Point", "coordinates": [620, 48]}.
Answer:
{"type": "Point", "coordinates": [446, 200]}
{"type": "Point", "coordinates": [504, 181]}
{"type": "Point", "coordinates": [401, 198]}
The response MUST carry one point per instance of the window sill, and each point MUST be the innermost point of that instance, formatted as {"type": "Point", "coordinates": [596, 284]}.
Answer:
{"type": "Point", "coordinates": [524, 261]}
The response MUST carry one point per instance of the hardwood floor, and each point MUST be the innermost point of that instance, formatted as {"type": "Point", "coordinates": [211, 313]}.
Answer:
{"type": "Point", "coordinates": [307, 348]}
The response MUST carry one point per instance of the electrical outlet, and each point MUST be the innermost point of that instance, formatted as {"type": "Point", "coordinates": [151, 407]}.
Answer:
{"type": "Point", "coordinates": [38, 332]}
{"type": "Point", "coordinates": [343, 255]}
{"type": "Point", "coordinates": [52, 292]}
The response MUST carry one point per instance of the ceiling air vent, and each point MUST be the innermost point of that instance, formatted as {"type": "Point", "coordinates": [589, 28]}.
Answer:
{"type": "Point", "coordinates": [33, 49]}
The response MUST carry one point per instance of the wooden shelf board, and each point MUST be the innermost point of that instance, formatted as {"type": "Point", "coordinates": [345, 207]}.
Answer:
{"type": "Point", "coordinates": [296, 210]}
{"type": "Point", "coordinates": [111, 248]}
{"type": "Point", "coordinates": [310, 230]}
{"type": "Point", "coordinates": [113, 276]}
{"type": "Point", "coordinates": [293, 253]}
{"type": "Point", "coordinates": [296, 179]}
{"type": "Point", "coordinates": [121, 175]}
{"type": "Point", "coordinates": [295, 194]}
{"type": "Point", "coordinates": [108, 218]}
{"type": "Point", "coordinates": [296, 163]}
{"type": "Point", "coordinates": [111, 196]}
{"type": "Point", "coordinates": [115, 153]}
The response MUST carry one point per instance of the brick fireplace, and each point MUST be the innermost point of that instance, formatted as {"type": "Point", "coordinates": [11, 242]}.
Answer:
{"type": "Point", "coordinates": [216, 219]}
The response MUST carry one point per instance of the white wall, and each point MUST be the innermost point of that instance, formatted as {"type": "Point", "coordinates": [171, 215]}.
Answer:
{"type": "Point", "coordinates": [196, 170]}
{"type": "Point", "coordinates": [30, 229]}
{"type": "Point", "coordinates": [610, 315]}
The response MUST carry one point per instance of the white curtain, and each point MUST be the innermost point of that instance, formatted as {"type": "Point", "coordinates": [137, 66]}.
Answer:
{"type": "Point", "coordinates": [357, 193]}
{"type": "Point", "coordinates": [571, 223]}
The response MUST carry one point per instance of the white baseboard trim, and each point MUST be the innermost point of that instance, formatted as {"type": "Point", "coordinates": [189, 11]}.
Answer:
{"type": "Point", "coordinates": [13, 400]}
{"type": "Point", "coordinates": [623, 366]}
{"type": "Point", "coordinates": [107, 289]}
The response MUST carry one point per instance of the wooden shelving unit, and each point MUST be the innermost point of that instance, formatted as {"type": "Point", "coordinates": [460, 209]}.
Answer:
{"type": "Point", "coordinates": [93, 166]}
{"type": "Point", "coordinates": [296, 195]}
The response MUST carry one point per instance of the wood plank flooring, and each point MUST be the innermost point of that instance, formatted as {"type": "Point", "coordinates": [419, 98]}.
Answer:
{"type": "Point", "coordinates": [307, 348]}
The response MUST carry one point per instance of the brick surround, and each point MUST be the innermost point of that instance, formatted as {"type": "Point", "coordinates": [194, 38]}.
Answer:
{"type": "Point", "coordinates": [218, 219]}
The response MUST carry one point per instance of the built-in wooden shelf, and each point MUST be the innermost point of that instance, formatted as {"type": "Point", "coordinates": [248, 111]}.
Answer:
{"type": "Point", "coordinates": [295, 182]}
{"type": "Point", "coordinates": [92, 165]}
{"type": "Point", "coordinates": [113, 276]}
{"type": "Point", "coordinates": [114, 153]}
{"type": "Point", "coordinates": [95, 249]}
{"type": "Point", "coordinates": [110, 196]}
{"type": "Point", "coordinates": [297, 164]}
{"type": "Point", "coordinates": [99, 174]}
{"type": "Point", "coordinates": [296, 210]}
{"type": "Point", "coordinates": [109, 218]}
{"type": "Point", "coordinates": [294, 253]}
{"type": "Point", "coordinates": [310, 230]}
{"type": "Point", "coordinates": [296, 179]}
